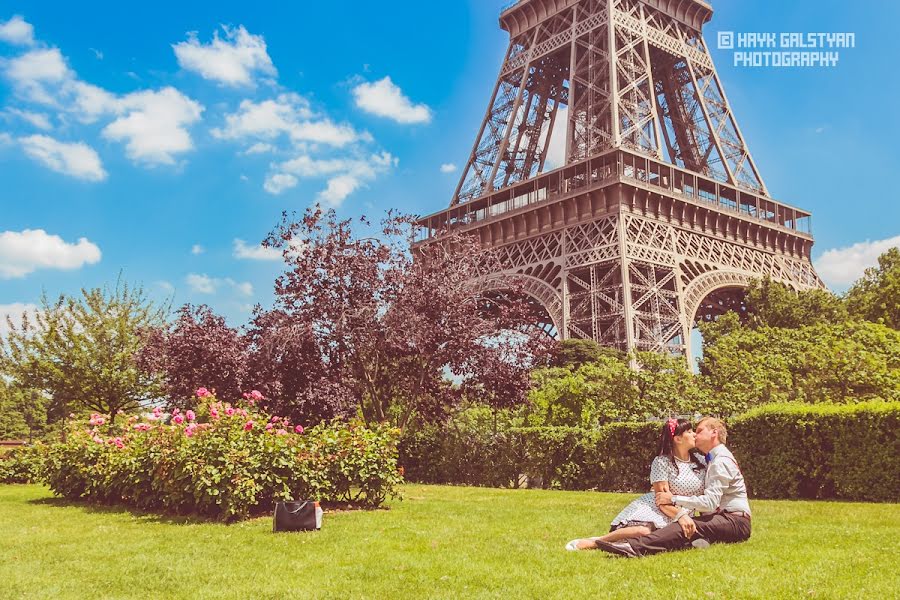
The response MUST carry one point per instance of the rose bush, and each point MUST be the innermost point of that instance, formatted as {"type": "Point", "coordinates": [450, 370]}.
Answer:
{"type": "Point", "coordinates": [222, 461]}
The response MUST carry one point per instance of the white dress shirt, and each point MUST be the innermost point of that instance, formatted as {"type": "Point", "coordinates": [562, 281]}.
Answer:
{"type": "Point", "coordinates": [725, 488]}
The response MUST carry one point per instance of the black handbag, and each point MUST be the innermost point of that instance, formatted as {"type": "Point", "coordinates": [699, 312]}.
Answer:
{"type": "Point", "coordinates": [297, 516]}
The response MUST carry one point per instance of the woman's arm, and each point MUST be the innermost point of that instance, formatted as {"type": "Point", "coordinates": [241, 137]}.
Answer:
{"type": "Point", "coordinates": [669, 511]}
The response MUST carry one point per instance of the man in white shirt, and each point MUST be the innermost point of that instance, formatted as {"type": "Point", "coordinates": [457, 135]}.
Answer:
{"type": "Point", "coordinates": [724, 506]}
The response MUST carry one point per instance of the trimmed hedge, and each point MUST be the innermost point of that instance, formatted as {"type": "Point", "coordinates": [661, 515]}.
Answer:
{"type": "Point", "coordinates": [565, 458]}
{"type": "Point", "coordinates": [849, 452]}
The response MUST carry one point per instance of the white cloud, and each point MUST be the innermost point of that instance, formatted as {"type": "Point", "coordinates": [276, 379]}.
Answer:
{"type": "Point", "coordinates": [5, 139]}
{"type": "Point", "coordinates": [44, 64]}
{"type": "Point", "coordinates": [17, 31]}
{"type": "Point", "coordinates": [339, 188]}
{"type": "Point", "coordinates": [39, 120]}
{"type": "Point", "coordinates": [277, 183]}
{"type": "Point", "coordinates": [204, 284]}
{"type": "Point", "coordinates": [166, 286]}
{"type": "Point", "coordinates": [259, 148]}
{"type": "Point", "coordinates": [289, 115]}
{"type": "Point", "coordinates": [97, 53]}
{"type": "Point", "coordinates": [245, 288]}
{"type": "Point", "coordinates": [448, 168]}
{"type": "Point", "coordinates": [14, 312]}
{"type": "Point", "coordinates": [841, 267]}
{"type": "Point", "coordinates": [197, 249]}
{"type": "Point", "coordinates": [77, 159]}
{"type": "Point", "coordinates": [384, 99]}
{"type": "Point", "coordinates": [23, 252]}
{"type": "Point", "coordinates": [232, 61]}
{"type": "Point", "coordinates": [346, 175]}
{"type": "Point", "coordinates": [153, 123]}
{"type": "Point", "coordinates": [243, 251]}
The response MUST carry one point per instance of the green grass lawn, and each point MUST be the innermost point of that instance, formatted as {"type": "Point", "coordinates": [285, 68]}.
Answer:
{"type": "Point", "coordinates": [438, 542]}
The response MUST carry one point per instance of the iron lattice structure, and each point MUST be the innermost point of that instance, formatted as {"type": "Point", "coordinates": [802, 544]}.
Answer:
{"type": "Point", "coordinates": [656, 215]}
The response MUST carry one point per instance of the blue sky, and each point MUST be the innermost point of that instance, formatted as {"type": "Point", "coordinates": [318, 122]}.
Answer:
{"type": "Point", "coordinates": [163, 140]}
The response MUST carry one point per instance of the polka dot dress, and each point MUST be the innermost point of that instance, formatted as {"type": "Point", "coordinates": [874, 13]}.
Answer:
{"type": "Point", "coordinates": [685, 479]}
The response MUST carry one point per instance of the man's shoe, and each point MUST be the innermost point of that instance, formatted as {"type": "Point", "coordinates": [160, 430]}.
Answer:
{"type": "Point", "coordinates": [618, 548]}
{"type": "Point", "coordinates": [700, 543]}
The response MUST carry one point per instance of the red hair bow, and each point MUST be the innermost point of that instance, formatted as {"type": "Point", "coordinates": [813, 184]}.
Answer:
{"type": "Point", "coordinates": [672, 423]}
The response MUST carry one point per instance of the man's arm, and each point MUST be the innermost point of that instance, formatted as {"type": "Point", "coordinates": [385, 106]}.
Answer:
{"type": "Point", "coordinates": [673, 512]}
{"type": "Point", "coordinates": [717, 480]}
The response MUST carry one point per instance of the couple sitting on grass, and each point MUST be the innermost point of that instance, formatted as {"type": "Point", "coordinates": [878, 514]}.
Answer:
{"type": "Point", "coordinates": [684, 481]}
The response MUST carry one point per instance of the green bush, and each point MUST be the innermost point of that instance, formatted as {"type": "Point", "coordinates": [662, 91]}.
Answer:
{"type": "Point", "coordinates": [22, 465]}
{"type": "Point", "coordinates": [223, 463]}
{"type": "Point", "coordinates": [849, 452]}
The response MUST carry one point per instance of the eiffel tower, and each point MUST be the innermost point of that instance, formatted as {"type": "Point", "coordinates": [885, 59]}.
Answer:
{"type": "Point", "coordinates": [611, 176]}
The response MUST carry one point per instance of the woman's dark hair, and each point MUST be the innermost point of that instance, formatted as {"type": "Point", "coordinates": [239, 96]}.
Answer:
{"type": "Point", "coordinates": [667, 440]}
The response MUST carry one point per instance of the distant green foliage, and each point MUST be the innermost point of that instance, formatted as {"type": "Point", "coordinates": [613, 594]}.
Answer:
{"type": "Point", "coordinates": [772, 304]}
{"type": "Point", "coordinates": [22, 465]}
{"type": "Point", "coordinates": [798, 451]}
{"type": "Point", "coordinates": [576, 352]}
{"type": "Point", "coordinates": [844, 363]}
{"type": "Point", "coordinates": [876, 295]}
{"type": "Point", "coordinates": [608, 390]}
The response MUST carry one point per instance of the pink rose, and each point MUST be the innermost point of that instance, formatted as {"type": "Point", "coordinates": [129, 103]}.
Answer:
{"type": "Point", "coordinates": [178, 419]}
{"type": "Point", "coordinates": [190, 415]}
{"type": "Point", "coordinates": [203, 392]}
{"type": "Point", "coordinates": [190, 429]}
{"type": "Point", "coordinates": [248, 425]}
{"type": "Point", "coordinates": [269, 426]}
{"type": "Point", "coordinates": [256, 395]}
{"type": "Point", "coordinates": [229, 411]}
{"type": "Point", "coordinates": [213, 413]}
{"type": "Point", "coordinates": [175, 411]}
{"type": "Point", "coordinates": [98, 439]}
{"type": "Point", "coordinates": [275, 419]}
{"type": "Point", "coordinates": [142, 427]}
{"type": "Point", "coordinates": [117, 442]}
{"type": "Point", "coordinates": [96, 419]}
{"type": "Point", "coordinates": [281, 432]}
{"type": "Point", "coordinates": [298, 429]}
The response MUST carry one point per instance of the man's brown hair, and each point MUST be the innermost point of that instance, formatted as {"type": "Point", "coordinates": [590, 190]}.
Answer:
{"type": "Point", "coordinates": [716, 424]}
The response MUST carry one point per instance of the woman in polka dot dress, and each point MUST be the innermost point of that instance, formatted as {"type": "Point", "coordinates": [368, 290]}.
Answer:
{"type": "Point", "coordinates": [678, 468]}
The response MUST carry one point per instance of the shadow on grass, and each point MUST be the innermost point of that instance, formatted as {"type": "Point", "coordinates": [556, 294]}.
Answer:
{"type": "Point", "coordinates": [149, 516]}
{"type": "Point", "coordinates": [142, 515]}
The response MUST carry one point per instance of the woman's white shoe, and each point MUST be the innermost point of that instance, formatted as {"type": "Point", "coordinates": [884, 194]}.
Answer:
{"type": "Point", "coordinates": [573, 545]}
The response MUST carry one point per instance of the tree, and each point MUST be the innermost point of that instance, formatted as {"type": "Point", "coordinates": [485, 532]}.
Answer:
{"type": "Point", "coordinates": [849, 362]}
{"type": "Point", "coordinates": [576, 352]}
{"type": "Point", "coordinates": [772, 304]}
{"type": "Point", "coordinates": [609, 389]}
{"type": "Point", "coordinates": [285, 364]}
{"type": "Point", "coordinates": [388, 323]}
{"type": "Point", "coordinates": [81, 351]}
{"type": "Point", "coordinates": [876, 295]}
{"type": "Point", "coordinates": [198, 350]}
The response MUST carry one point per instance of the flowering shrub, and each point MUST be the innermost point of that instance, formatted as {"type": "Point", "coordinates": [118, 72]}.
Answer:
{"type": "Point", "coordinates": [222, 461]}
{"type": "Point", "coordinates": [22, 465]}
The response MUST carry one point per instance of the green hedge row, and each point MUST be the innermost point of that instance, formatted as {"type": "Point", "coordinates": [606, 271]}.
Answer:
{"type": "Point", "coordinates": [849, 452]}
